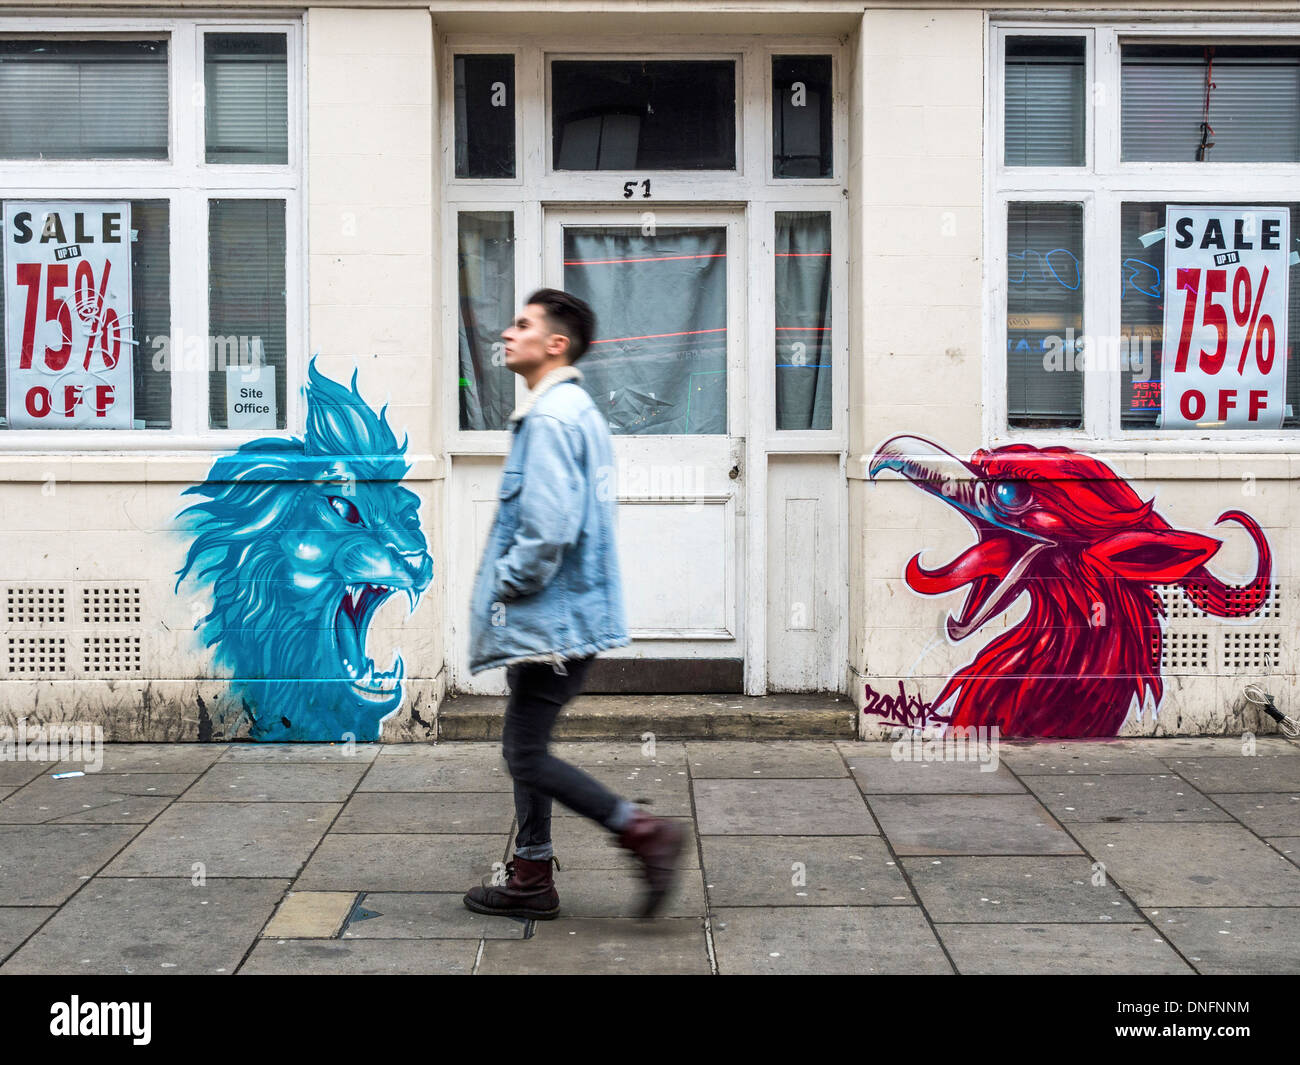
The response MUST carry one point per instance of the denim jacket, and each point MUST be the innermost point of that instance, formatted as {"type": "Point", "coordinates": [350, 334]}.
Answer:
{"type": "Point", "coordinates": [548, 585]}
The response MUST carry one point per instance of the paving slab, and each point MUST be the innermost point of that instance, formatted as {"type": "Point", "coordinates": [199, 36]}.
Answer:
{"type": "Point", "coordinates": [228, 839]}
{"type": "Point", "coordinates": [361, 957]}
{"type": "Point", "coordinates": [1017, 890]}
{"type": "Point", "coordinates": [1229, 773]}
{"type": "Point", "coordinates": [1090, 757]}
{"type": "Point", "coordinates": [1128, 797]}
{"type": "Point", "coordinates": [789, 758]}
{"type": "Point", "coordinates": [1049, 949]}
{"type": "Point", "coordinates": [619, 893]}
{"type": "Point", "coordinates": [883, 776]}
{"type": "Point", "coordinates": [479, 767]}
{"type": "Point", "coordinates": [1265, 813]}
{"type": "Point", "coordinates": [1191, 746]}
{"type": "Point", "coordinates": [425, 915]}
{"type": "Point", "coordinates": [155, 758]}
{"type": "Point", "coordinates": [310, 915]}
{"type": "Point", "coordinates": [850, 749]}
{"type": "Point", "coordinates": [152, 926]}
{"type": "Point", "coordinates": [456, 812]}
{"type": "Point", "coordinates": [96, 798]}
{"type": "Point", "coordinates": [782, 807]}
{"type": "Point", "coordinates": [14, 774]}
{"type": "Point", "coordinates": [970, 824]}
{"type": "Point", "coordinates": [1233, 940]}
{"type": "Point", "coordinates": [825, 939]}
{"type": "Point", "coordinates": [276, 782]}
{"type": "Point", "coordinates": [664, 790]}
{"type": "Point", "coordinates": [583, 844]}
{"type": "Point", "coordinates": [603, 946]}
{"type": "Point", "coordinates": [1287, 845]}
{"type": "Point", "coordinates": [17, 923]}
{"type": "Point", "coordinates": [633, 752]}
{"type": "Point", "coordinates": [406, 862]}
{"type": "Point", "coordinates": [802, 871]}
{"type": "Point", "coordinates": [442, 752]}
{"type": "Point", "coordinates": [42, 865]}
{"type": "Point", "coordinates": [1192, 865]}
{"type": "Point", "coordinates": [344, 753]}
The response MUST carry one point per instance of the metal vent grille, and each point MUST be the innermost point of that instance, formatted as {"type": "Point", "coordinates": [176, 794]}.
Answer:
{"type": "Point", "coordinates": [38, 654]}
{"type": "Point", "coordinates": [34, 605]}
{"type": "Point", "coordinates": [1179, 607]}
{"type": "Point", "coordinates": [1185, 652]}
{"type": "Point", "coordinates": [111, 654]}
{"type": "Point", "coordinates": [1246, 651]}
{"type": "Point", "coordinates": [105, 605]}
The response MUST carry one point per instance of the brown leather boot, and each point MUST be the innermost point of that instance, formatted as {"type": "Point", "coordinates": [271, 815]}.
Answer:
{"type": "Point", "coordinates": [529, 891]}
{"type": "Point", "coordinates": [658, 843]}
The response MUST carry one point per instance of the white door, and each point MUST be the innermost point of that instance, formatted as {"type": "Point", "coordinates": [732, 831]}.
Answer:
{"type": "Point", "coordinates": [666, 371]}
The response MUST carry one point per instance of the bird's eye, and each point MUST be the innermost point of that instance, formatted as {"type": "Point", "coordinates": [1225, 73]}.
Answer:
{"type": "Point", "coordinates": [345, 510]}
{"type": "Point", "coordinates": [1012, 495]}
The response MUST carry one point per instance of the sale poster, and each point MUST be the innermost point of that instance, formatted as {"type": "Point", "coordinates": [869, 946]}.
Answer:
{"type": "Point", "coordinates": [1225, 317]}
{"type": "Point", "coordinates": [68, 314]}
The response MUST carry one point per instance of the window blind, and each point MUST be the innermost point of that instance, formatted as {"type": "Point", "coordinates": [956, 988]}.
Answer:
{"type": "Point", "coordinates": [1044, 116]}
{"type": "Point", "coordinates": [83, 99]}
{"type": "Point", "coordinates": [1254, 106]}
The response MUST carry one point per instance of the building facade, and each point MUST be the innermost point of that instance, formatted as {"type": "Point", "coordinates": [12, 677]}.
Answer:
{"type": "Point", "coordinates": [882, 294]}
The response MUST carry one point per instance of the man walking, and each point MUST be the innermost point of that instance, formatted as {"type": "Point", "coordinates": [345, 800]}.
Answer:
{"type": "Point", "coordinates": [547, 598]}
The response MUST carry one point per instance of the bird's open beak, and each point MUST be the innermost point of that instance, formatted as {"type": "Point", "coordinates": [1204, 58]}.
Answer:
{"type": "Point", "coordinates": [942, 474]}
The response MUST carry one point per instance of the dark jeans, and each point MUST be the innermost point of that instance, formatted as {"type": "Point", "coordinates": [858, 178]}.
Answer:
{"type": "Point", "coordinates": [537, 695]}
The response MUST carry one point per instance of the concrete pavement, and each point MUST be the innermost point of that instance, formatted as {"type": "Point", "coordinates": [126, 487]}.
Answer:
{"type": "Point", "coordinates": [1130, 856]}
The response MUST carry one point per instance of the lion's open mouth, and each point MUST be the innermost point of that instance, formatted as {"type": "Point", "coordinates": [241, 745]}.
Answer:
{"type": "Point", "coordinates": [350, 625]}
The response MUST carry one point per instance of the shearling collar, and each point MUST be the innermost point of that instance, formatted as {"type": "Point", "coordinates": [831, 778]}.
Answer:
{"type": "Point", "coordinates": [548, 381]}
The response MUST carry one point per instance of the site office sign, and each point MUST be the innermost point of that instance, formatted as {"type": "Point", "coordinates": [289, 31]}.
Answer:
{"type": "Point", "coordinates": [67, 314]}
{"type": "Point", "coordinates": [1225, 341]}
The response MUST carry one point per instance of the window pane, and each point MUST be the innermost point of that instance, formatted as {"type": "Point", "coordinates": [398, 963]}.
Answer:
{"type": "Point", "coordinates": [629, 114]}
{"type": "Point", "coordinates": [83, 99]}
{"type": "Point", "coordinates": [1142, 292]}
{"type": "Point", "coordinates": [246, 97]}
{"type": "Point", "coordinates": [803, 320]}
{"type": "Point", "coordinates": [1044, 314]}
{"type": "Point", "coordinates": [151, 318]}
{"type": "Point", "coordinates": [246, 308]}
{"type": "Point", "coordinates": [486, 264]}
{"type": "Point", "coordinates": [148, 332]}
{"type": "Point", "coordinates": [801, 116]}
{"type": "Point", "coordinates": [659, 363]}
{"type": "Point", "coordinates": [1254, 104]}
{"type": "Point", "coordinates": [1044, 101]}
{"type": "Point", "coordinates": [485, 116]}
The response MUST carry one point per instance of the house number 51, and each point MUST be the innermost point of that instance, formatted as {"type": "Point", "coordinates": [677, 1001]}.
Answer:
{"type": "Point", "coordinates": [630, 186]}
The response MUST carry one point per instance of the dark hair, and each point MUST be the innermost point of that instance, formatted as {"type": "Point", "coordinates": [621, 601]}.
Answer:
{"type": "Point", "coordinates": [568, 315]}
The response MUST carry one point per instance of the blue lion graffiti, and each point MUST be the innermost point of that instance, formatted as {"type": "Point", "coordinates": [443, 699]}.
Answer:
{"type": "Point", "coordinates": [301, 540]}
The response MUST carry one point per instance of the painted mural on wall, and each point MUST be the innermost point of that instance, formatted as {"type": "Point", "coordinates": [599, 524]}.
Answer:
{"type": "Point", "coordinates": [299, 541]}
{"type": "Point", "coordinates": [1066, 530]}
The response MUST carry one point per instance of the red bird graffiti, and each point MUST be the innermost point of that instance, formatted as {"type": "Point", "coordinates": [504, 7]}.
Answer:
{"type": "Point", "coordinates": [1071, 533]}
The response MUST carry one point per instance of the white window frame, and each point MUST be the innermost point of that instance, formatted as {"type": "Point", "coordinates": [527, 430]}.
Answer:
{"type": "Point", "coordinates": [751, 185]}
{"type": "Point", "coordinates": [187, 182]}
{"type": "Point", "coordinates": [1101, 187]}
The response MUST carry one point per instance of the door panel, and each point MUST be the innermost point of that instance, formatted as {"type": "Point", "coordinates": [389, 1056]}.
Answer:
{"type": "Point", "coordinates": [664, 371]}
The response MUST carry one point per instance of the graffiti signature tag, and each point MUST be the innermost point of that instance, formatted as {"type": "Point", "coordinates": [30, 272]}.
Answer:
{"type": "Point", "coordinates": [910, 711]}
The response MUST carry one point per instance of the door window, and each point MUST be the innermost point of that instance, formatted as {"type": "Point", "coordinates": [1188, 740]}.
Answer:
{"type": "Point", "coordinates": [659, 363]}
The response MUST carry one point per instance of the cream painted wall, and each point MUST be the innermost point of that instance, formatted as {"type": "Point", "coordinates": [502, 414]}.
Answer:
{"type": "Point", "coordinates": [917, 191]}
{"type": "Point", "coordinates": [80, 523]}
